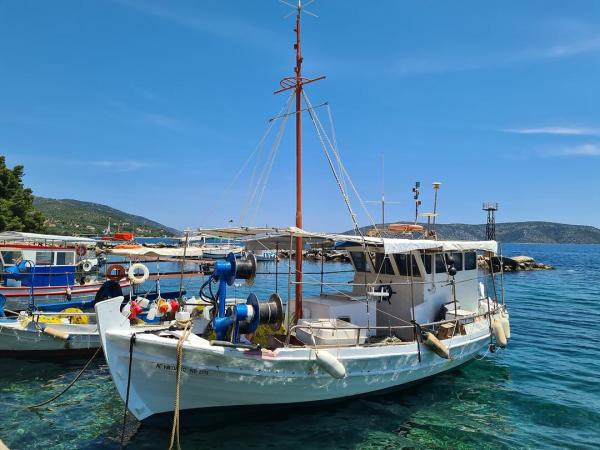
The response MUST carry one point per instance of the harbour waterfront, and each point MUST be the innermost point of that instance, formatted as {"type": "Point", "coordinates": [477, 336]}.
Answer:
{"type": "Point", "coordinates": [541, 392]}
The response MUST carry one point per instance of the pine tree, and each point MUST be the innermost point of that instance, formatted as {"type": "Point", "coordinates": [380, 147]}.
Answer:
{"type": "Point", "coordinates": [16, 202]}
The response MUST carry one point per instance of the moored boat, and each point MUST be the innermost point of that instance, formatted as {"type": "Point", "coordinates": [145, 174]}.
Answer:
{"type": "Point", "coordinates": [48, 269]}
{"type": "Point", "coordinates": [415, 308]}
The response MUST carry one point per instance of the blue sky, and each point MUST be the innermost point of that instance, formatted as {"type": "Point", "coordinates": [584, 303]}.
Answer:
{"type": "Point", "coordinates": [153, 107]}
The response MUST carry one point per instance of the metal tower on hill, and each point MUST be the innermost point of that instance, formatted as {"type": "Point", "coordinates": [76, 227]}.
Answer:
{"type": "Point", "coordinates": [490, 228]}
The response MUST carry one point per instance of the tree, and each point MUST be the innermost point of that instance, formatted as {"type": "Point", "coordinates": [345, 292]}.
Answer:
{"type": "Point", "coordinates": [16, 202]}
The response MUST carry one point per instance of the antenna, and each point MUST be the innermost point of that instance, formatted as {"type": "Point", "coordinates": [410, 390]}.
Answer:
{"type": "Point", "coordinates": [298, 8]}
{"type": "Point", "coordinates": [436, 188]}
{"type": "Point", "coordinates": [417, 201]}
{"type": "Point", "coordinates": [382, 201]}
{"type": "Point", "coordinates": [490, 227]}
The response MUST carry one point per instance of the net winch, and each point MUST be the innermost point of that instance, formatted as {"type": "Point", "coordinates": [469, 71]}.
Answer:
{"type": "Point", "coordinates": [242, 318]}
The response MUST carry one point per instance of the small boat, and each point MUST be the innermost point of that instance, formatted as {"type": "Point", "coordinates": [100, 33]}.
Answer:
{"type": "Point", "coordinates": [213, 247]}
{"type": "Point", "coordinates": [265, 255]}
{"type": "Point", "coordinates": [67, 332]}
{"type": "Point", "coordinates": [47, 268]}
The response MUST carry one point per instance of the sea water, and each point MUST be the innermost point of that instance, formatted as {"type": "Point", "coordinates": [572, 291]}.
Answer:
{"type": "Point", "coordinates": [541, 392]}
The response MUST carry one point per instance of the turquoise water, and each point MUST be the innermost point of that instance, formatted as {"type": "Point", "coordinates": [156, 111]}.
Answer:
{"type": "Point", "coordinates": [542, 392]}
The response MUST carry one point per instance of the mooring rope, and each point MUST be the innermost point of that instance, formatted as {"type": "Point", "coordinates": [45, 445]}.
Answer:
{"type": "Point", "coordinates": [131, 342]}
{"type": "Point", "coordinates": [184, 335]}
{"type": "Point", "coordinates": [70, 384]}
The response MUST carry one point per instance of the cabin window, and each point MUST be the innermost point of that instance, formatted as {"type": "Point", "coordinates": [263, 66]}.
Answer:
{"type": "Point", "coordinates": [458, 261]}
{"type": "Point", "coordinates": [440, 263]}
{"type": "Point", "coordinates": [65, 258]}
{"type": "Point", "coordinates": [383, 264]}
{"type": "Point", "coordinates": [11, 256]}
{"type": "Point", "coordinates": [427, 262]}
{"type": "Point", "coordinates": [360, 261]}
{"type": "Point", "coordinates": [403, 268]}
{"type": "Point", "coordinates": [43, 258]}
{"type": "Point", "coordinates": [470, 261]}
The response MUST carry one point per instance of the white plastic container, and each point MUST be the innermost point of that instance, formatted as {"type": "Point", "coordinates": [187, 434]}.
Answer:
{"type": "Point", "coordinates": [330, 332]}
{"type": "Point", "coordinates": [182, 316]}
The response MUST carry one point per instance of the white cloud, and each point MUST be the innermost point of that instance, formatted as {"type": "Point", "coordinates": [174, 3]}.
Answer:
{"type": "Point", "coordinates": [118, 165]}
{"type": "Point", "coordinates": [556, 130]}
{"type": "Point", "coordinates": [579, 150]}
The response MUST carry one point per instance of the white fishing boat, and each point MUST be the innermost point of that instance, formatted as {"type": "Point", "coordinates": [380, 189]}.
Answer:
{"type": "Point", "coordinates": [415, 308]}
{"type": "Point", "coordinates": [49, 334]}
{"type": "Point", "coordinates": [212, 247]}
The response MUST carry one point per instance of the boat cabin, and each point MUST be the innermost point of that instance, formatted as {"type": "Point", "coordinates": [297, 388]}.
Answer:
{"type": "Point", "coordinates": [33, 265]}
{"type": "Point", "coordinates": [28, 259]}
{"type": "Point", "coordinates": [403, 281]}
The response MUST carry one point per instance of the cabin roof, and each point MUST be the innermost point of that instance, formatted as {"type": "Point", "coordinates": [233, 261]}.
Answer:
{"type": "Point", "coordinates": [269, 238]}
{"type": "Point", "coordinates": [17, 236]}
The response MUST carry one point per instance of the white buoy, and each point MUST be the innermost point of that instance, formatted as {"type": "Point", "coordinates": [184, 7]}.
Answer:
{"type": "Point", "coordinates": [434, 344]}
{"type": "Point", "coordinates": [498, 332]}
{"type": "Point", "coordinates": [152, 312]}
{"type": "Point", "coordinates": [331, 364]}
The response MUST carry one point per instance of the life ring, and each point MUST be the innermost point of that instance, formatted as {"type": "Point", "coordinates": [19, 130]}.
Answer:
{"type": "Point", "coordinates": [137, 279]}
{"type": "Point", "coordinates": [86, 265]}
{"type": "Point", "coordinates": [120, 272]}
{"type": "Point", "coordinates": [81, 250]}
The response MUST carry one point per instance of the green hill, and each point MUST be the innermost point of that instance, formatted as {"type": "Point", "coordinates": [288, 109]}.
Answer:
{"type": "Point", "coordinates": [523, 232]}
{"type": "Point", "coordinates": [74, 217]}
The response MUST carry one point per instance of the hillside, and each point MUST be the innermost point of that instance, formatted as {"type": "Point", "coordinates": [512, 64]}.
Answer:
{"type": "Point", "coordinates": [523, 232]}
{"type": "Point", "coordinates": [74, 217]}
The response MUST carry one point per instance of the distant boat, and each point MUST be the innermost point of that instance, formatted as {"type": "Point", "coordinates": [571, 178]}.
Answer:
{"type": "Point", "coordinates": [214, 247]}
{"type": "Point", "coordinates": [47, 268]}
{"type": "Point", "coordinates": [265, 255]}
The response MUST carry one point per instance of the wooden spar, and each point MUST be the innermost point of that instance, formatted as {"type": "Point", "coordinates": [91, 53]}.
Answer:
{"type": "Point", "coordinates": [296, 82]}
{"type": "Point", "coordinates": [298, 70]}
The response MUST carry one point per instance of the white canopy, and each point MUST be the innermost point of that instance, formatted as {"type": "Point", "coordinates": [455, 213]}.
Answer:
{"type": "Point", "coordinates": [191, 252]}
{"type": "Point", "coordinates": [19, 236]}
{"type": "Point", "coordinates": [268, 237]}
{"type": "Point", "coordinates": [407, 245]}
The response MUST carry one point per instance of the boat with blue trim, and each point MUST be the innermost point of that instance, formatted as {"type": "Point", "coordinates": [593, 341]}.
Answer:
{"type": "Point", "coordinates": [46, 269]}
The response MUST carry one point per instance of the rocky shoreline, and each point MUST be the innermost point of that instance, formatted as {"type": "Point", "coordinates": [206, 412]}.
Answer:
{"type": "Point", "coordinates": [513, 263]}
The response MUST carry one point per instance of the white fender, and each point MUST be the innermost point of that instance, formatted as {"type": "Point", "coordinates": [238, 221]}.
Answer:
{"type": "Point", "coordinates": [331, 364]}
{"type": "Point", "coordinates": [438, 347]}
{"type": "Point", "coordinates": [56, 333]}
{"type": "Point", "coordinates": [136, 279]}
{"type": "Point", "coordinates": [498, 332]}
{"type": "Point", "coordinates": [505, 325]}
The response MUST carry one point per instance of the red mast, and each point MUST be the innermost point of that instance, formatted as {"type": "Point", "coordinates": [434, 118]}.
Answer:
{"type": "Point", "coordinates": [296, 82]}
